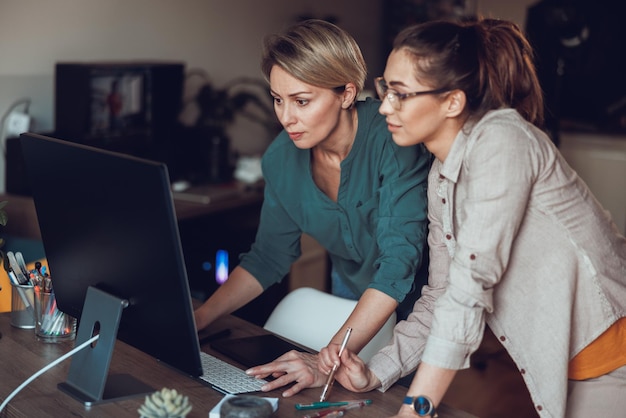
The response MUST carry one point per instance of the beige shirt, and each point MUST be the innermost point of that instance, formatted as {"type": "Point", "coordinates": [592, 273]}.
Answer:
{"type": "Point", "coordinates": [518, 242]}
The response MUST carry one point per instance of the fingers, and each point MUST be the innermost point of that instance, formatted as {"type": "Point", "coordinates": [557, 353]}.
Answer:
{"type": "Point", "coordinates": [327, 358]}
{"type": "Point", "coordinates": [294, 389]}
{"type": "Point", "coordinates": [351, 359]}
{"type": "Point", "coordinates": [262, 372]}
{"type": "Point", "coordinates": [293, 367]}
{"type": "Point", "coordinates": [354, 374]}
{"type": "Point", "coordinates": [300, 378]}
{"type": "Point", "coordinates": [276, 368]}
{"type": "Point", "coordinates": [277, 383]}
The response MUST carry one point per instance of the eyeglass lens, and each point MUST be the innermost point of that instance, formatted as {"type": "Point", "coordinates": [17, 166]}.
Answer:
{"type": "Point", "coordinates": [384, 93]}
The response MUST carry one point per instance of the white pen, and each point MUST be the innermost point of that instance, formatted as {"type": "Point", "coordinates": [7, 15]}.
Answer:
{"type": "Point", "coordinates": [331, 376]}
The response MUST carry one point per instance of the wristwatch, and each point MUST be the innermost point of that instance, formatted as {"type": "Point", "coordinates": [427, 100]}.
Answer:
{"type": "Point", "coordinates": [422, 405]}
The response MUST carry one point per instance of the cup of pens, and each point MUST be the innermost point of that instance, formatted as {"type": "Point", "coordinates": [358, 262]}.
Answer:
{"type": "Point", "coordinates": [22, 311]}
{"type": "Point", "coordinates": [51, 325]}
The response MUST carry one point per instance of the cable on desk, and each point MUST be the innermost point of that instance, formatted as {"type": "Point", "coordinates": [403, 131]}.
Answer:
{"type": "Point", "coordinates": [46, 368]}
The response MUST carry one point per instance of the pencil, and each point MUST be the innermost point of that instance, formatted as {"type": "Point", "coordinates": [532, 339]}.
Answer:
{"type": "Point", "coordinates": [331, 376]}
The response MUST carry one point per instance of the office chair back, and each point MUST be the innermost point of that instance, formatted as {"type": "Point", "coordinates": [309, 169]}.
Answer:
{"type": "Point", "coordinates": [311, 317]}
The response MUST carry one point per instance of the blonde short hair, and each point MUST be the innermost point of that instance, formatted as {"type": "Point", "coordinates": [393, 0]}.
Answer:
{"type": "Point", "coordinates": [317, 53]}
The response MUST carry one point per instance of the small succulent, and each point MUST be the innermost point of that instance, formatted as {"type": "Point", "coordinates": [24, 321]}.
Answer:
{"type": "Point", "coordinates": [167, 403]}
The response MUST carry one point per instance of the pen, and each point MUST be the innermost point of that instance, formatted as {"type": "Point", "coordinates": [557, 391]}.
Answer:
{"type": "Point", "coordinates": [327, 414]}
{"type": "Point", "coordinates": [331, 376]}
{"type": "Point", "coordinates": [317, 405]}
{"type": "Point", "coordinates": [338, 411]}
{"type": "Point", "coordinates": [20, 289]}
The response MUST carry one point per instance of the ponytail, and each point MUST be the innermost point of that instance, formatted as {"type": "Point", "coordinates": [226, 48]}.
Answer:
{"type": "Point", "coordinates": [509, 66]}
{"type": "Point", "coordinates": [490, 60]}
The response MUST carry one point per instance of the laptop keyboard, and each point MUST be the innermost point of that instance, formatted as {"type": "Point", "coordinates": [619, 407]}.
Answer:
{"type": "Point", "coordinates": [227, 378]}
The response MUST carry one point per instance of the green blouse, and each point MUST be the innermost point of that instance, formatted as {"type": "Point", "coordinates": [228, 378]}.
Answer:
{"type": "Point", "coordinates": [375, 233]}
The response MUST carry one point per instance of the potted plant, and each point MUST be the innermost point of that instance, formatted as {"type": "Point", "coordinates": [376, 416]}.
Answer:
{"type": "Point", "coordinates": [216, 110]}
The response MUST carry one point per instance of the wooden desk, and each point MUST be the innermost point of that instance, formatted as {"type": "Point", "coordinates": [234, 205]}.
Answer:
{"type": "Point", "coordinates": [223, 198]}
{"type": "Point", "coordinates": [21, 355]}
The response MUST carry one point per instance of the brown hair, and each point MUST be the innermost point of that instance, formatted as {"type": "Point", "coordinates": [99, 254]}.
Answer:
{"type": "Point", "coordinates": [490, 60]}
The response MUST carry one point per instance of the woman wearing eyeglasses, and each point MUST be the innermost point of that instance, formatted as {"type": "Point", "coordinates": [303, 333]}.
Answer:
{"type": "Point", "coordinates": [517, 241]}
{"type": "Point", "coordinates": [332, 173]}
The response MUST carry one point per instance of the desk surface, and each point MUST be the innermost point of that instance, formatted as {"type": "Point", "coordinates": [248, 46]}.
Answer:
{"type": "Point", "coordinates": [219, 198]}
{"type": "Point", "coordinates": [21, 355]}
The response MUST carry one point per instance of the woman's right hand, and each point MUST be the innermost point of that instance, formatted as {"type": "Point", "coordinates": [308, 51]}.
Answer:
{"type": "Point", "coordinates": [295, 367]}
{"type": "Point", "coordinates": [354, 374]}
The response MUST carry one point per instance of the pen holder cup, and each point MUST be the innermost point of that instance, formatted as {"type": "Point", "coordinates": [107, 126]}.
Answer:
{"type": "Point", "coordinates": [52, 325]}
{"type": "Point", "coordinates": [22, 302]}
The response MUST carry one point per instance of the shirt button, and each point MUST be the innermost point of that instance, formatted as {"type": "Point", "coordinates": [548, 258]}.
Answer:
{"type": "Point", "coordinates": [502, 338]}
{"type": "Point", "coordinates": [443, 201]}
{"type": "Point", "coordinates": [539, 408]}
{"type": "Point", "coordinates": [448, 236]}
{"type": "Point", "coordinates": [472, 256]}
{"type": "Point", "coordinates": [522, 371]}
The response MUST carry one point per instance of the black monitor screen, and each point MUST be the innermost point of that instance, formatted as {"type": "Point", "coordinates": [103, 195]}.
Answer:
{"type": "Point", "coordinates": [107, 220]}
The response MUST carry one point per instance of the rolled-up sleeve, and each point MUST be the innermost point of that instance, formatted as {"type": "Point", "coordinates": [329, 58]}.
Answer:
{"type": "Point", "coordinates": [277, 243]}
{"type": "Point", "coordinates": [401, 227]}
{"type": "Point", "coordinates": [405, 351]}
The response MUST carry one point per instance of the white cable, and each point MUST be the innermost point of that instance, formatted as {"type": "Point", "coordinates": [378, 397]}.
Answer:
{"type": "Point", "coordinates": [46, 368]}
{"type": "Point", "coordinates": [3, 138]}
{"type": "Point", "coordinates": [26, 102]}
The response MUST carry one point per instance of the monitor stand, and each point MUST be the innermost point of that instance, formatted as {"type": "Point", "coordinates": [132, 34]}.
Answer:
{"type": "Point", "coordinates": [88, 380]}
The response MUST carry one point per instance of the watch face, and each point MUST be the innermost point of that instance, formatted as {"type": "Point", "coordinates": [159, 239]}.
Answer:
{"type": "Point", "coordinates": [423, 406]}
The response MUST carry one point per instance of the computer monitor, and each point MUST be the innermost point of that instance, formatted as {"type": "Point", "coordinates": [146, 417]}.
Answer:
{"type": "Point", "coordinates": [108, 223]}
{"type": "Point", "coordinates": [124, 106]}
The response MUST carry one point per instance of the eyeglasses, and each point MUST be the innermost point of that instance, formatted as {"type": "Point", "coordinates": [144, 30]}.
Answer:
{"type": "Point", "coordinates": [395, 98]}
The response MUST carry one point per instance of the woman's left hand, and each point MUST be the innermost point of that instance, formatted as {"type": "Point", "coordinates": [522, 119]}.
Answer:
{"type": "Point", "coordinates": [293, 366]}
